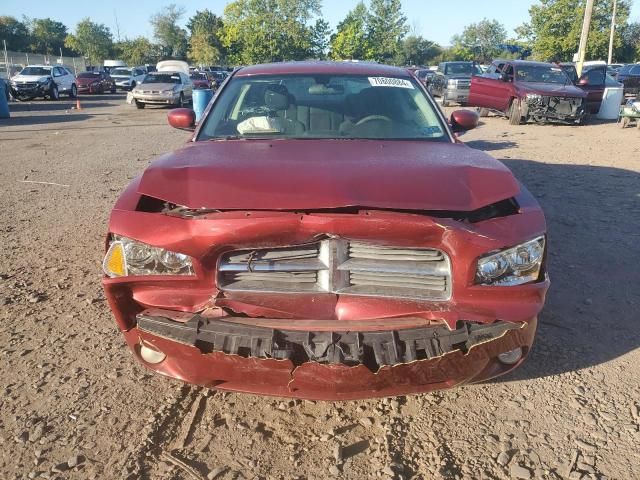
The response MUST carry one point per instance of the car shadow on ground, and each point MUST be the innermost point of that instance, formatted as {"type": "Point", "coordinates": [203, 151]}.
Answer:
{"type": "Point", "coordinates": [488, 146]}
{"type": "Point", "coordinates": [61, 105]}
{"type": "Point", "coordinates": [591, 313]}
{"type": "Point", "coordinates": [44, 119]}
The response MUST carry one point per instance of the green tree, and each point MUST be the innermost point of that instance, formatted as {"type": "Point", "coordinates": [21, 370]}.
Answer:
{"type": "Point", "coordinates": [555, 25]}
{"type": "Point", "coordinates": [320, 34]}
{"type": "Point", "coordinates": [137, 51]}
{"type": "Point", "coordinates": [387, 26]}
{"type": "Point", "coordinates": [171, 37]}
{"type": "Point", "coordinates": [269, 30]}
{"type": "Point", "coordinates": [416, 50]}
{"type": "Point", "coordinates": [93, 40]}
{"type": "Point", "coordinates": [14, 32]}
{"type": "Point", "coordinates": [480, 41]}
{"type": "Point", "coordinates": [630, 51]}
{"type": "Point", "coordinates": [205, 44]}
{"type": "Point", "coordinates": [351, 41]}
{"type": "Point", "coordinates": [47, 36]}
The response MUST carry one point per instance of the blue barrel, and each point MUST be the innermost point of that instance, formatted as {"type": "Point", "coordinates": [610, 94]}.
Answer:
{"type": "Point", "coordinates": [201, 98]}
{"type": "Point", "coordinates": [4, 106]}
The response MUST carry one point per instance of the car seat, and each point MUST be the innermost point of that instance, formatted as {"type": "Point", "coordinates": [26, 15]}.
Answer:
{"type": "Point", "coordinates": [277, 99]}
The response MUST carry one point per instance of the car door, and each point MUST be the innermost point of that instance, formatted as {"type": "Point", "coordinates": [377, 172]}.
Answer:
{"type": "Point", "coordinates": [592, 82]}
{"type": "Point", "coordinates": [438, 80]}
{"type": "Point", "coordinates": [187, 86]}
{"type": "Point", "coordinates": [484, 88]}
{"type": "Point", "coordinates": [58, 78]}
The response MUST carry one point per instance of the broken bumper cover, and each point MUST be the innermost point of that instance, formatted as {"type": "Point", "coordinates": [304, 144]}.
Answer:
{"type": "Point", "coordinates": [326, 365]}
{"type": "Point", "coordinates": [554, 109]}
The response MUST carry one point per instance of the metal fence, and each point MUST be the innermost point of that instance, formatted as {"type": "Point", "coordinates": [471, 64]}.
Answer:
{"type": "Point", "coordinates": [23, 58]}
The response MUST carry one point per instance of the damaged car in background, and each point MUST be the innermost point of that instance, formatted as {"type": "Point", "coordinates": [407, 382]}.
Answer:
{"type": "Point", "coordinates": [528, 91]}
{"type": "Point", "coordinates": [325, 235]}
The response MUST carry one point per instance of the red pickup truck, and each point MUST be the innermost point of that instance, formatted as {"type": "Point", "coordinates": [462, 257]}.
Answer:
{"type": "Point", "coordinates": [524, 90]}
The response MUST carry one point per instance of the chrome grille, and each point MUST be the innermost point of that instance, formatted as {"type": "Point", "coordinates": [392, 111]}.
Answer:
{"type": "Point", "coordinates": [336, 265]}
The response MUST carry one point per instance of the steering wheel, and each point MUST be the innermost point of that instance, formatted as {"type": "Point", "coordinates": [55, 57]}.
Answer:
{"type": "Point", "coordinates": [372, 118]}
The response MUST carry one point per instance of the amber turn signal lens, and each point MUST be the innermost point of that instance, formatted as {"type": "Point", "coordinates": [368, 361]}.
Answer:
{"type": "Point", "coordinates": [114, 264]}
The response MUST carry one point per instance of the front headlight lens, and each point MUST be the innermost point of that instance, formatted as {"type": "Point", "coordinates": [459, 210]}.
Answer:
{"type": "Point", "coordinates": [512, 266]}
{"type": "Point", "coordinates": [167, 91]}
{"type": "Point", "coordinates": [533, 97]}
{"type": "Point", "coordinates": [130, 257]}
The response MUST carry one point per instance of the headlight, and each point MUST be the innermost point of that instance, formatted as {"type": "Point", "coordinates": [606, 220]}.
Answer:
{"type": "Point", "coordinates": [533, 97]}
{"type": "Point", "coordinates": [167, 91]}
{"type": "Point", "coordinates": [43, 81]}
{"type": "Point", "coordinates": [130, 257]}
{"type": "Point", "coordinates": [512, 266]}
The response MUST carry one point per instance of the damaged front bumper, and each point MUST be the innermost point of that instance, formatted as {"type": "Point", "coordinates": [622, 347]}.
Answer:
{"type": "Point", "coordinates": [541, 108]}
{"type": "Point", "coordinates": [228, 354]}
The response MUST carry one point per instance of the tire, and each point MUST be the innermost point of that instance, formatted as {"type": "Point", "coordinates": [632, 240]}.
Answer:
{"type": "Point", "coordinates": [181, 100]}
{"type": "Point", "coordinates": [483, 112]}
{"type": "Point", "coordinates": [133, 85]}
{"type": "Point", "coordinates": [515, 118]}
{"type": "Point", "coordinates": [74, 91]}
{"type": "Point", "coordinates": [54, 94]}
{"type": "Point", "coordinates": [113, 88]}
{"type": "Point", "coordinates": [139, 105]}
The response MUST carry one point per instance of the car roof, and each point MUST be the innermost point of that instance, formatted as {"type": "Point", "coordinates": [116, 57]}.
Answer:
{"type": "Point", "coordinates": [320, 67]}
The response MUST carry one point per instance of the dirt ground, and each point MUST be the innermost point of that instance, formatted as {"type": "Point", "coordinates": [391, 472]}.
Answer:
{"type": "Point", "coordinates": [75, 405]}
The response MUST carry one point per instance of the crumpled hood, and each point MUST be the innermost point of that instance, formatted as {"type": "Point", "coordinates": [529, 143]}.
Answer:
{"type": "Point", "coordinates": [553, 89]}
{"type": "Point", "coordinates": [30, 78]}
{"type": "Point", "coordinates": [319, 174]}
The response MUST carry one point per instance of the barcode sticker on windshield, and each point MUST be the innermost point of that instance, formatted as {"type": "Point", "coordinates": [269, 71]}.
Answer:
{"type": "Point", "coordinates": [390, 82]}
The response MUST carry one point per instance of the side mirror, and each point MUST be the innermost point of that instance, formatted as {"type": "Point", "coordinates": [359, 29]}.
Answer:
{"type": "Point", "coordinates": [182, 118]}
{"type": "Point", "coordinates": [463, 120]}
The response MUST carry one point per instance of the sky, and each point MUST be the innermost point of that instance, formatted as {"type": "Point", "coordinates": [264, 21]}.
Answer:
{"type": "Point", "coordinates": [436, 20]}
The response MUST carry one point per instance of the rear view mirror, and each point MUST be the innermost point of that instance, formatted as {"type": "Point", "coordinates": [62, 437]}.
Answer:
{"type": "Point", "coordinates": [463, 120]}
{"type": "Point", "coordinates": [182, 118]}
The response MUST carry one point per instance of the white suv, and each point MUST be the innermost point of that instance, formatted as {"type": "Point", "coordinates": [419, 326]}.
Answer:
{"type": "Point", "coordinates": [127, 78]}
{"type": "Point", "coordinates": [44, 81]}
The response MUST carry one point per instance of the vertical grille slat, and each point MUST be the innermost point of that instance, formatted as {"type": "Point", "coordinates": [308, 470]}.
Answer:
{"type": "Point", "coordinates": [336, 265]}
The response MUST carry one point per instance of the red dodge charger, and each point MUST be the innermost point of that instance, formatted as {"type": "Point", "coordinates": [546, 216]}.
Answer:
{"type": "Point", "coordinates": [324, 235]}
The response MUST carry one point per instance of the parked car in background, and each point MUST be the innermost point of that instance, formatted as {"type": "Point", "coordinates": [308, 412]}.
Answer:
{"type": "Point", "coordinates": [127, 78]}
{"type": "Point", "coordinates": [524, 90]}
{"type": "Point", "coordinates": [629, 76]}
{"type": "Point", "coordinates": [109, 65]}
{"type": "Point", "coordinates": [164, 88]}
{"type": "Point", "coordinates": [271, 256]}
{"type": "Point", "coordinates": [217, 77]}
{"type": "Point", "coordinates": [95, 82]}
{"type": "Point", "coordinates": [425, 76]}
{"type": "Point", "coordinates": [47, 81]}
{"type": "Point", "coordinates": [200, 80]}
{"type": "Point", "coordinates": [452, 80]}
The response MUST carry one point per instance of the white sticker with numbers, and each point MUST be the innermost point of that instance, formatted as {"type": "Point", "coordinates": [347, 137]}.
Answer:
{"type": "Point", "coordinates": [390, 82]}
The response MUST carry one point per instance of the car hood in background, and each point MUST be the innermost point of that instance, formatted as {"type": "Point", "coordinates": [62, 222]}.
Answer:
{"type": "Point", "coordinates": [319, 174]}
{"type": "Point", "coordinates": [30, 78]}
{"type": "Point", "coordinates": [155, 86]}
{"type": "Point", "coordinates": [554, 89]}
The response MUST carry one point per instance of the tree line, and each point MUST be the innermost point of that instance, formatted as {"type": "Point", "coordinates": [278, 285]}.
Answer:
{"type": "Point", "coordinates": [255, 31]}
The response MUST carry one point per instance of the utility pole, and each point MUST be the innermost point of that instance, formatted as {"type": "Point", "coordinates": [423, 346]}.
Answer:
{"type": "Point", "coordinates": [582, 49]}
{"type": "Point", "coordinates": [613, 32]}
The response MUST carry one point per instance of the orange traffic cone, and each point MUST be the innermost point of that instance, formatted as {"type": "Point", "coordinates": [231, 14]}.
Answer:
{"type": "Point", "coordinates": [78, 107]}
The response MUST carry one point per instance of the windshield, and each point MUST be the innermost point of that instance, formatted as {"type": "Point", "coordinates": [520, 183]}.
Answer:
{"type": "Point", "coordinates": [120, 71]}
{"type": "Point", "coordinates": [323, 106]}
{"type": "Point", "coordinates": [161, 78]}
{"type": "Point", "coordinates": [462, 69]}
{"type": "Point", "coordinates": [36, 71]}
{"type": "Point", "coordinates": [541, 74]}
{"type": "Point", "coordinates": [88, 75]}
